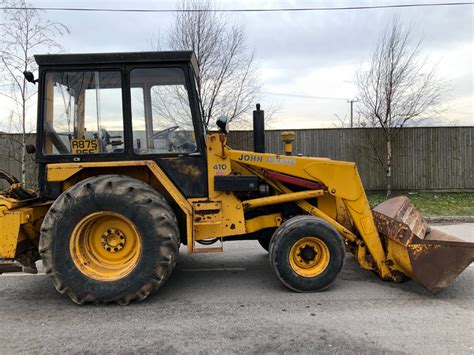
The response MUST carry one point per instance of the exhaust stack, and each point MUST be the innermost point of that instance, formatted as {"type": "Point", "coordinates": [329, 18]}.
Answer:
{"type": "Point", "coordinates": [259, 130]}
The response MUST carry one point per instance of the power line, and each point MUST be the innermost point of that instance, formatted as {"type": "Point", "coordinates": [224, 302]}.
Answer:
{"type": "Point", "coordinates": [302, 9]}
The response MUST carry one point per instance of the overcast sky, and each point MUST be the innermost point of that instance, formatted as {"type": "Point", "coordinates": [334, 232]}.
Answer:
{"type": "Point", "coordinates": [307, 60]}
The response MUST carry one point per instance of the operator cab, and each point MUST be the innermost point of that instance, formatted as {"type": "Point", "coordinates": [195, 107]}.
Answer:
{"type": "Point", "coordinates": [122, 106]}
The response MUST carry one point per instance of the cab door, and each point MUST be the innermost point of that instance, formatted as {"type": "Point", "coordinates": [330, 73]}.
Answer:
{"type": "Point", "coordinates": [166, 126]}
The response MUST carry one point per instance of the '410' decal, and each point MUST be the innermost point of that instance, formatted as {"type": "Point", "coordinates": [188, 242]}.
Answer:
{"type": "Point", "coordinates": [220, 167]}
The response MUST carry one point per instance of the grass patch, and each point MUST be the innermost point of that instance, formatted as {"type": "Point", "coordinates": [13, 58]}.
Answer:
{"type": "Point", "coordinates": [435, 203]}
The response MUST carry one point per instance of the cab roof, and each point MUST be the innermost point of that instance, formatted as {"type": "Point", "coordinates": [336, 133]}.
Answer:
{"type": "Point", "coordinates": [118, 58]}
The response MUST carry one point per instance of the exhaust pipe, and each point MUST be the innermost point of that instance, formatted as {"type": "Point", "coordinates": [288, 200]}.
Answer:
{"type": "Point", "coordinates": [259, 130]}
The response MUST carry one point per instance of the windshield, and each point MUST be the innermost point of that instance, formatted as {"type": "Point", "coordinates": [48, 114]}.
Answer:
{"type": "Point", "coordinates": [83, 112]}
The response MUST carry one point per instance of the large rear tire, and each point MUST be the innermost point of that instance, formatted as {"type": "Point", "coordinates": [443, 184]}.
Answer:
{"type": "Point", "coordinates": [306, 254]}
{"type": "Point", "coordinates": [109, 238]}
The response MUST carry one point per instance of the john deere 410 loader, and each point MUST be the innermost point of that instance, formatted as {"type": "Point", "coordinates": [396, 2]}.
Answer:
{"type": "Point", "coordinates": [127, 173]}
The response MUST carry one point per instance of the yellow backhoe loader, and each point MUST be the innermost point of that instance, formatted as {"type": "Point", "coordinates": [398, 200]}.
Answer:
{"type": "Point", "coordinates": [127, 174]}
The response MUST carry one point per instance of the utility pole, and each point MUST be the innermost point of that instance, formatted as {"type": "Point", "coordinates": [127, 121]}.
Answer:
{"type": "Point", "coordinates": [352, 111]}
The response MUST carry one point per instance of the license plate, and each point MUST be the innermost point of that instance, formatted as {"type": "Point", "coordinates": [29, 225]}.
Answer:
{"type": "Point", "coordinates": [84, 146]}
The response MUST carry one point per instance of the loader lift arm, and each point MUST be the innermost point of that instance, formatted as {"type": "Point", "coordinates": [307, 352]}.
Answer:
{"type": "Point", "coordinates": [342, 180]}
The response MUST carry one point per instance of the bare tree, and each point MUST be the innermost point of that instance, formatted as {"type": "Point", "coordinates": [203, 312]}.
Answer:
{"type": "Point", "coordinates": [398, 89]}
{"type": "Point", "coordinates": [23, 32]}
{"type": "Point", "coordinates": [227, 82]}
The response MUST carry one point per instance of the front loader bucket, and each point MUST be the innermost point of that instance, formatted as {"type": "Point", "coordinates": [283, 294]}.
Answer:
{"type": "Point", "coordinates": [428, 256]}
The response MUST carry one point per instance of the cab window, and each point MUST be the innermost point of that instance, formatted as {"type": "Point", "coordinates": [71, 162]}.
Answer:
{"type": "Point", "coordinates": [83, 113]}
{"type": "Point", "coordinates": [161, 115]}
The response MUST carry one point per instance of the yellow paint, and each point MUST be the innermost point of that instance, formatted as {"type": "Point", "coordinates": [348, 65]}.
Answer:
{"type": "Point", "coordinates": [10, 227]}
{"type": "Point", "coordinates": [208, 219]}
{"type": "Point", "coordinates": [261, 222]}
{"type": "Point", "coordinates": [342, 215]}
{"type": "Point", "coordinates": [420, 248]}
{"type": "Point", "coordinates": [59, 172]}
{"type": "Point", "coordinates": [18, 222]}
{"type": "Point", "coordinates": [232, 212]}
{"type": "Point", "coordinates": [62, 171]}
{"type": "Point", "coordinates": [309, 257]}
{"type": "Point", "coordinates": [105, 246]}
{"type": "Point", "coordinates": [367, 224]}
{"type": "Point", "coordinates": [327, 204]}
{"type": "Point", "coordinates": [363, 258]}
{"type": "Point", "coordinates": [398, 254]}
{"type": "Point", "coordinates": [338, 176]}
{"type": "Point", "coordinates": [288, 138]}
{"type": "Point", "coordinates": [283, 198]}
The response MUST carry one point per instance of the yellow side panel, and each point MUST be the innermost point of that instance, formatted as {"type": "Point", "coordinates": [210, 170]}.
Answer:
{"type": "Point", "coordinates": [218, 163]}
{"type": "Point", "coordinates": [262, 222]}
{"type": "Point", "coordinates": [17, 224]}
{"type": "Point", "coordinates": [63, 171]}
{"type": "Point", "coordinates": [10, 227]}
{"type": "Point", "coordinates": [327, 204]}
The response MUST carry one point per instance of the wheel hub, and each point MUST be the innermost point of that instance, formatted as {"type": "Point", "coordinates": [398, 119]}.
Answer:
{"type": "Point", "coordinates": [113, 240]}
{"type": "Point", "coordinates": [309, 256]}
{"type": "Point", "coordinates": [105, 246]}
{"type": "Point", "coordinates": [307, 253]}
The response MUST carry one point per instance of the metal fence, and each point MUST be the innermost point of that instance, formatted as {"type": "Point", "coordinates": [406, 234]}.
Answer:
{"type": "Point", "coordinates": [425, 158]}
{"type": "Point", "coordinates": [432, 158]}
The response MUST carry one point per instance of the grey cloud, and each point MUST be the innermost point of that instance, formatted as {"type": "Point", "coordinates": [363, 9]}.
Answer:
{"type": "Point", "coordinates": [291, 44]}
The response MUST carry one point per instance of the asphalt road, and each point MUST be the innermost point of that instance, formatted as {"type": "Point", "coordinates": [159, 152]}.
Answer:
{"type": "Point", "coordinates": [232, 302]}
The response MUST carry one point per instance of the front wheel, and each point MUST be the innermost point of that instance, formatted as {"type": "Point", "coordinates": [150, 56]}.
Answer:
{"type": "Point", "coordinates": [306, 254]}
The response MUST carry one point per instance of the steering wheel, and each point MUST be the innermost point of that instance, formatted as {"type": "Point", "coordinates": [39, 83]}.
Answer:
{"type": "Point", "coordinates": [107, 140]}
{"type": "Point", "coordinates": [164, 133]}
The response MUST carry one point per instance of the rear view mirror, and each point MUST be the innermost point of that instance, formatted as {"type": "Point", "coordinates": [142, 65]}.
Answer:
{"type": "Point", "coordinates": [223, 123]}
{"type": "Point", "coordinates": [29, 76]}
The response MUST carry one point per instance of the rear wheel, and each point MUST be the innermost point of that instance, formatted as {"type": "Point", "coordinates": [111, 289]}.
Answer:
{"type": "Point", "coordinates": [306, 254]}
{"type": "Point", "coordinates": [109, 239]}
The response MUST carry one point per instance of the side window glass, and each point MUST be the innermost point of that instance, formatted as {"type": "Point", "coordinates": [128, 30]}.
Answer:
{"type": "Point", "coordinates": [83, 113]}
{"type": "Point", "coordinates": [161, 115]}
